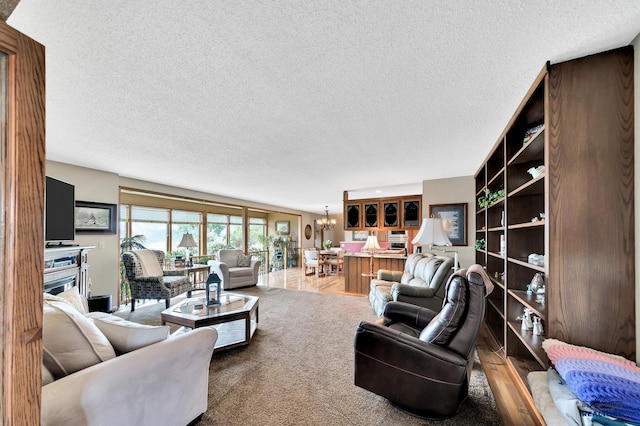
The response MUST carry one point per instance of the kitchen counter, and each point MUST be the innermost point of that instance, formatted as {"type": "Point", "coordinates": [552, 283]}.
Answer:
{"type": "Point", "coordinates": [359, 268]}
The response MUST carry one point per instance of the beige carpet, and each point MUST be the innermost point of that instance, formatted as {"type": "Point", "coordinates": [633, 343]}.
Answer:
{"type": "Point", "coordinates": [298, 369]}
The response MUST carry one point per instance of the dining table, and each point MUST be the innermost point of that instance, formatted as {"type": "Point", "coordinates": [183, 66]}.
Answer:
{"type": "Point", "coordinates": [323, 256]}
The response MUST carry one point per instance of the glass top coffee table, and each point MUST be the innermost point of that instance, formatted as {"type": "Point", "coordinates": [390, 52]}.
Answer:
{"type": "Point", "coordinates": [235, 318]}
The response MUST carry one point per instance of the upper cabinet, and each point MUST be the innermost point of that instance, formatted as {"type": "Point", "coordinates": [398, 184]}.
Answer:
{"type": "Point", "coordinates": [371, 214]}
{"type": "Point", "coordinates": [399, 213]}
{"type": "Point", "coordinates": [352, 216]}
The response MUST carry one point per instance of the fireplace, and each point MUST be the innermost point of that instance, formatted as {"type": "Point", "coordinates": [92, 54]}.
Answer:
{"type": "Point", "coordinates": [60, 281]}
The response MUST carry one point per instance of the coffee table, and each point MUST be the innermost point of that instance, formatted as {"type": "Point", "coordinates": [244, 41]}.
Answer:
{"type": "Point", "coordinates": [235, 318]}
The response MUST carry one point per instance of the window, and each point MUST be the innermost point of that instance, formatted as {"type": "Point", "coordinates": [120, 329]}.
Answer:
{"type": "Point", "coordinates": [183, 222]}
{"type": "Point", "coordinates": [223, 231]}
{"type": "Point", "coordinates": [216, 232]}
{"type": "Point", "coordinates": [257, 233]}
{"type": "Point", "coordinates": [153, 223]}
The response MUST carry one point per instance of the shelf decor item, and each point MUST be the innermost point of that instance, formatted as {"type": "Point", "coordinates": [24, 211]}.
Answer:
{"type": "Point", "coordinates": [529, 134]}
{"type": "Point", "coordinates": [536, 171]}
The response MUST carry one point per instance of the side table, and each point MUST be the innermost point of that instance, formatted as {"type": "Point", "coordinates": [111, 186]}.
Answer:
{"type": "Point", "coordinates": [100, 303]}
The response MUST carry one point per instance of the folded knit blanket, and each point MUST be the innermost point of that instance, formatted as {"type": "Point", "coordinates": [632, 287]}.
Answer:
{"type": "Point", "coordinates": [562, 350]}
{"type": "Point", "coordinates": [607, 383]}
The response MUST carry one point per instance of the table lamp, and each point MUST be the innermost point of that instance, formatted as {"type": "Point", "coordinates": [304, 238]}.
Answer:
{"type": "Point", "coordinates": [432, 233]}
{"type": "Point", "coordinates": [187, 242]}
{"type": "Point", "coordinates": [371, 246]}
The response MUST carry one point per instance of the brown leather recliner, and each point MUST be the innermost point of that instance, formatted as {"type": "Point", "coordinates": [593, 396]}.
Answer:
{"type": "Point", "coordinates": [419, 359]}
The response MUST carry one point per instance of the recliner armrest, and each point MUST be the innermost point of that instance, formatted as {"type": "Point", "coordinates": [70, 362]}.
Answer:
{"type": "Point", "coordinates": [376, 340]}
{"type": "Point", "coordinates": [406, 313]}
{"type": "Point", "coordinates": [411, 290]}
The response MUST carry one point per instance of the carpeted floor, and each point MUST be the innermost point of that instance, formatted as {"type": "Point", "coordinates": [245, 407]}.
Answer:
{"type": "Point", "coordinates": [298, 369]}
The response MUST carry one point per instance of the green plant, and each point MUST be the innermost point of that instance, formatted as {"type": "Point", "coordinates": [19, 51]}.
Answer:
{"type": "Point", "coordinates": [481, 244]}
{"type": "Point", "coordinates": [490, 197]}
{"type": "Point", "coordinates": [327, 244]}
{"type": "Point", "coordinates": [134, 242]}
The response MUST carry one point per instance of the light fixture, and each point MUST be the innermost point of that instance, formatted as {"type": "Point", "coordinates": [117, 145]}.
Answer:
{"type": "Point", "coordinates": [432, 233]}
{"type": "Point", "coordinates": [187, 242]}
{"type": "Point", "coordinates": [371, 245]}
{"type": "Point", "coordinates": [326, 223]}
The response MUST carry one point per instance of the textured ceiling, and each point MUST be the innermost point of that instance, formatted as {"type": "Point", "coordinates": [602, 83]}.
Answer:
{"type": "Point", "coordinates": [292, 102]}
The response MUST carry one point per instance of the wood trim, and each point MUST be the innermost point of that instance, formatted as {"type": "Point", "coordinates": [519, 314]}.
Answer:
{"type": "Point", "coordinates": [23, 235]}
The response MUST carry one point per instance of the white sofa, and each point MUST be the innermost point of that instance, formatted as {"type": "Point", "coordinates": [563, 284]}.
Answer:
{"type": "Point", "coordinates": [165, 382]}
{"type": "Point", "coordinates": [232, 273]}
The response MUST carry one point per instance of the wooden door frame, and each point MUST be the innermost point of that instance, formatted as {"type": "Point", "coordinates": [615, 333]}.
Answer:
{"type": "Point", "coordinates": [22, 248]}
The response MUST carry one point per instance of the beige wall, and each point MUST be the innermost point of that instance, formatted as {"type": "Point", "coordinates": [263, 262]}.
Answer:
{"type": "Point", "coordinates": [103, 187]}
{"type": "Point", "coordinates": [453, 191]}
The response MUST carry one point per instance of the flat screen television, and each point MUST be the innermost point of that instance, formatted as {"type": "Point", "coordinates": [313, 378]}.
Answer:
{"type": "Point", "coordinates": [59, 211]}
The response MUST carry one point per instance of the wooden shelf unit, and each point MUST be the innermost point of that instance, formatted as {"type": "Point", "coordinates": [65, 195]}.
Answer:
{"type": "Point", "coordinates": [585, 195]}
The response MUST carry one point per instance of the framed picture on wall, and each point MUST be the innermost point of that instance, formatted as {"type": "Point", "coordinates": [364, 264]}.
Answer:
{"type": "Point", "coordinates": [454, 221]}
{"type": "Point", "coordinates": [360, 235]}
{"type": "Point", "coordinates": [282, 227]}
{"type": "Point", "coordinates": [97, 218]}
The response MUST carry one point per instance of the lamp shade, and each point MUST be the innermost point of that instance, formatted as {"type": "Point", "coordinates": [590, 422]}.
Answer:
{"type": "Point", "coordinates": [371, 244]}
{"type": "Point", "coordinates": [187, 241]}
{"type": "Point", "coordinates": [431, 232]}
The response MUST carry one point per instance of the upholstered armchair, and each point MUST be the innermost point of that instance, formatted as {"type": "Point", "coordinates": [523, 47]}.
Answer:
{"type": "Point", "coordinates": [421, 283]}
{"type": "Point", "coordinates": [235, 269]}
{"type": "Point", "coordinates": [420, 359]}
{"type": "Point", "coordinates": [310, 260]}
{"type": "Point", "coordinates": [147, 280]}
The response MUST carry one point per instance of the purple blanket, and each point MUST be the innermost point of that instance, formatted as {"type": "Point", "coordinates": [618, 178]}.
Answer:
{"type": "Point", "coordinates": [604, 382]}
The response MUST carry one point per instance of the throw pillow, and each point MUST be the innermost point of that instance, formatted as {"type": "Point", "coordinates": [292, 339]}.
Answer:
{"type": "Point", "coordinates": [47, 377]}
{"type": "Point", "coordinates": [72, 296]}
{"type": "Point", "coordinates": [244, 260]}
{"type": "Point", "coordinates": [69, 296]}
{"type": "Point", "coordinates": [127, 336]}
{"type": "Point", "coordinates": [71, 342]}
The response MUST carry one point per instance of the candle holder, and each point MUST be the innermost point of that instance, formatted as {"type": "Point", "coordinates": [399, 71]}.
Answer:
{"type": "Point", "coordinates": [213, 278]}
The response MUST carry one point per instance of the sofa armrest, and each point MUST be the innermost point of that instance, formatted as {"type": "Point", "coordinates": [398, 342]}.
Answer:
{"type": "Point", "coordinates": [255, 265]}
{"type": "Point", "coordinates": [221, 269]}
{"type": "Point", "coordinates": [138, 384]}
{"type": "Point", "coordinates": [411, 290]}
{"type": "Point", "coordinates": [387, 275]}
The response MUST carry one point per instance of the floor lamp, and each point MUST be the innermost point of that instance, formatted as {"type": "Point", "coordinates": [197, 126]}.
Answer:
{"type": "Point", "coordinates": [371, 246]}
{"type": "Point", "coordinates": [432, 233]}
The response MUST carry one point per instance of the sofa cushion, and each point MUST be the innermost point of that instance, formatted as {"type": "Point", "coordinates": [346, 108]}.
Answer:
{"type": "Point", "coordinates": [244, 260]}
{"type": "Point", "coordinates": [241, 272]}
{"type": "Point", "coordinates": [127, 336]}
{"type": "Point", "coordinates": [71, 342]}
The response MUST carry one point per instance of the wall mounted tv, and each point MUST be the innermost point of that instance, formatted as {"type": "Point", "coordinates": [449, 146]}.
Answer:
{"type": "Point", "coordinates": [59, 211]}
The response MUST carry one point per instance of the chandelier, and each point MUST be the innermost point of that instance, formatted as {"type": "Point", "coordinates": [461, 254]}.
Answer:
{"type": "Point", "coordinates": [326, 223]}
